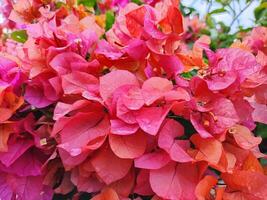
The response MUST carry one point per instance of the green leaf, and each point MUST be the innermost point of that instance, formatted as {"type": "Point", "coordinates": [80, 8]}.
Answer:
{"type": "Point", "coordinates": [263, 161]}
{"type": "Point", "coordinates": [223, 36]}
{"type": "Point", "coordinates": [261, 130]}
{"type": "Point", "coordinates": [138, 2]}
{"type": "Point", "coordinates": [224, 2]}
{"type": "Point", "coordinates": [87, 3]}
{"type": "Point", "coordinates": [19, 36]}
{"type": "Point", "coordinates": [260, 11]}
{"type": "Point", "coordinates": [216, 11]}
{"type": "Point", "coordinates": [224, 28]}
{"type": "Point", "coordinates": [210, 21]}
{"type": "Point", "coordinates": [186, 10]}
{"type": "Point", "coordinates": [241, 29]}
{"type": "Point", "coordinates": [59, 4]}
{"type": "Point", "coordinates": [261, 14]}
{"type": "Point", "coordinates": [204, 31]}
{"type": "Point", "coordinates": [110, 18]}
{"type": "Point", "coordinates": [189, 129]}
{"type": "Point", "coordinates": [190, 74]}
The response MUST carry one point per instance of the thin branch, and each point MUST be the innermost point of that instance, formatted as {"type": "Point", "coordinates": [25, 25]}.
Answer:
{"type": "Point", "coordinates": [239, 7]}
{"type": "Point", "coordinates": [238, 15]}
{"type": "Point", "coordinates": [233, 10]}
{"type": "Point", "coordinates": [209, 7]}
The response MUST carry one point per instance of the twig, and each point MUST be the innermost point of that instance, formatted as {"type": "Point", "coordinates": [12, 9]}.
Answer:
{"type": "Point", "coordinates": [210, 4]}
{"type": "Point", "coordinates": [236, 17]}
{"type": "Point", "coordinates": [233, 10]}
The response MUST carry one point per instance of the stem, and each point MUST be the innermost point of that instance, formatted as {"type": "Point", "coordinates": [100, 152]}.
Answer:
{"type": "Point", "coordinates": [236, 17]}
{"type": "Point", "coordinates": [209, 7]}
{"type": "Point", "coordinates": [233, 10]}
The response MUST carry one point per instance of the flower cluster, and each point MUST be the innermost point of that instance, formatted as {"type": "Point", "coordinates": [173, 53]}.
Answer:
{"type": "Point", "coordinates": [129, 110]}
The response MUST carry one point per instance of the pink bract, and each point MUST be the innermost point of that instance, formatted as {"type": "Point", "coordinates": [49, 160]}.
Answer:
{"type": "Point", "coordinates": [122, 100]}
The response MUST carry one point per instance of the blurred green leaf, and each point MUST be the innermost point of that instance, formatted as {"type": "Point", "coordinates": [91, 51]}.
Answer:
{"type": "Point", "coordinates": [205, 32]}
{"type": "Point", "coordinates": [59, 4]}
{"type": "Point", "coordinates": [223, 2]}
{"type": "Point", "coordinates": [260, 10]}
{"type": "Point", "coordinates": [87, 3]}
{"type": "Point", "coordinates": [224, 28]}
{"type": "Point", "coordinates": [223, 36]}
{"type": "Point", "coordinates": [260, 14]}
{"type": "Point", "coordinates": [190, 74]}
{"type": "Point", "coordinates": [19, 36]}
{"type": "Point", "coordinates": [263, 161]}
{"type": "Point", "coordinates": [138, 2]}
{"type": "Point", "coordinates": [261, 130]}
{"type": "Point", "coordinates": [110, 18]}
{"type": "Point", "coordinates": [216, 11]}
{"type": "Point", "coordinates": [210, 21]}
{"type": "Point", "coordinates": [241, 29]}
{"type": "Point", "coordinates": [186, 10]}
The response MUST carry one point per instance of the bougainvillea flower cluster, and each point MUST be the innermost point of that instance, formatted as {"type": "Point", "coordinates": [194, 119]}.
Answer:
{"type": "Point", "coordinates": [129, 110]}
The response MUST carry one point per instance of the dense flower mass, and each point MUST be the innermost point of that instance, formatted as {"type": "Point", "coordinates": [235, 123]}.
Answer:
{"type": "Point", "coordinates": [109, 101]}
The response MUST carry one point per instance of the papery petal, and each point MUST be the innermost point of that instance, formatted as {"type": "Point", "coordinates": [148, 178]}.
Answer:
{"type": "Point", "coordinates": [83, 131]}
{"type": "Point", "coordinates": [6, 130]}
{"type": "Point", "coordinates": [243, 137]}
{"type": "Point", "coordinates": [27, 187]}
{"type": "Point", "coordinates": [171, 65]}
{"type": "Point", "coordinates": [28, 164]}
{"type": "Point", "coordinates": [6, 191]}
{"type": "Point", "coordinates": [252, 164]}
{"type": "Point", "coordinates": [119, 127]}
{"type": "Point", "coordinates": [210, 149]}
{"type": "Point", "coordinates": [35, 96]}
{"type": "Point", "coordinates": [204, 187]}
{"type": "Point", "coordinates": [248, 182]}
{"type": "Point", "coordinates": [108, 166]}
{"type": "Point", "coordinates": [124, 186]}
{"type": "Point", "coordinates": [137, 49]}
{"type": "Point", "coordinates": [167, 141]}
{"type": "Point", "coordinates": [70, 161]}
{"type": "Point", "coordinates": [128, 146]}
{"type": "Point", "coordinates": [142, 184]}
{"type": "Point", "coordinates": [15, 149]}
{"type": "Point", "coordinates": [67, 62]}
{"type": "Point", "coordinates": [109, 83]}
{"type": "Point", "coordinates": [220, 82]}
{"type": "Point", "coordinates": [177, 94]}
{"type": "Point", "coordinates": [154, 88]}
{"type": "Point", "coordinates": [151, 118]}
{"type": "Point", "coordinates": [9, 104]}
{"type": "Point", "coordinates": [125, 114]}
{"type": "Point", "coordinates": [260, 112]}
{"type": "Point", "coordinates": [133, 100]}
{"type": "Point", "coordinates": [135, 21]}
{"type": "Point", "coordinates": [154, 160]}
{"type": "Point", "coordinates": [78, 82]}
{"type": "Point", "coordinates": [66, 185]}
{"type": "Point", "coordinates": [107, 194]}
{"type": "Point", "coordinates": [173, 21]}
{"type": "Point", "coordinates": [88, 184]}
{"type": "Point", "coordinates": [109, 51]}
{"type": "Point", "coordinates": [239, 60]}
{"type": "Point", "coordinates": [62, 109]}
{"type": "Point", "coordinates": [175, 181]}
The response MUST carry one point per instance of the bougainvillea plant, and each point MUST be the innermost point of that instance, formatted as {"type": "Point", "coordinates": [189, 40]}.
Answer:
{"type": "Point", "coordinates": [117, 100]}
